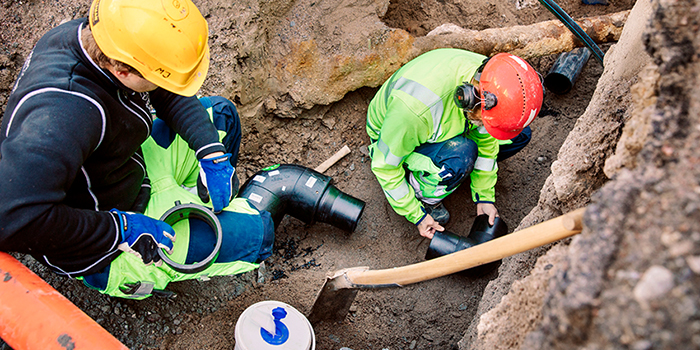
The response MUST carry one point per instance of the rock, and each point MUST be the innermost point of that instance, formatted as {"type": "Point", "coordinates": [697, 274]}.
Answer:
{"type": "Point", "coordinates": [328, 122]}
{"type": "Point", "coordinates": [642, 345]}
{"type": "Point", "coordinates": [364, 150]}
{"type": "Point", "coordinates": [694, 263]}
{"type": "Point", "coordinates": [655, 283]}
{"type": "Point", "coordinates": [261, 273]}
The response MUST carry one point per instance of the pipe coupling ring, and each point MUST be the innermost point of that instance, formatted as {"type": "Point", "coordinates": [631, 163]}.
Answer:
{"type": "Point", "coordinates": [188, 211]}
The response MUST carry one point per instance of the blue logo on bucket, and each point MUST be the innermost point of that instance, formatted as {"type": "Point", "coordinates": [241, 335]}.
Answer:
{"type": "Point", "coordinates": [281, 332]}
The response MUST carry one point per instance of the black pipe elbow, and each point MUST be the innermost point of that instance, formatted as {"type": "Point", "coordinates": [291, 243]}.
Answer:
{"type": "Point", "coordinates": [303, 193]}
{"type": "Point", "coordinates": [446, 242]}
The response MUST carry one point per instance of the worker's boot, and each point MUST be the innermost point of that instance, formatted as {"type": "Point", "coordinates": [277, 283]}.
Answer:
{"type": "Point", "coordinates": [438, 212]}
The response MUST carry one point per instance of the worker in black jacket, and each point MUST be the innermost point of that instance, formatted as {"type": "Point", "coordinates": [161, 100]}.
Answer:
{"type": "Point", "coordinates": [100, 104]}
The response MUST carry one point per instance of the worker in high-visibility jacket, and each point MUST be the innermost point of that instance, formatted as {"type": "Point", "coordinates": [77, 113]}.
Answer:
{"type": "Point", "coordinates": [102, 134]}
{"type": "Point", "coordinates": [444, 115]}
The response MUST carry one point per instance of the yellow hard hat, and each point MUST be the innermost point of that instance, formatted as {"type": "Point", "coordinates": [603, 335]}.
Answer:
{"type": "Point", "coordinates": [164, 40]}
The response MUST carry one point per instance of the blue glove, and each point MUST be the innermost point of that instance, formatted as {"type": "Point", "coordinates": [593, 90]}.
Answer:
{"type": "Point", "coordinates": [142, 236]}
{"type": "Point", "coordinates": [217, 178]}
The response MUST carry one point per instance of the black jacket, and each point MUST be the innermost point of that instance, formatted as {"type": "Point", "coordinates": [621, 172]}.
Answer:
{"type": "Point", "coordinates": [70, 152]}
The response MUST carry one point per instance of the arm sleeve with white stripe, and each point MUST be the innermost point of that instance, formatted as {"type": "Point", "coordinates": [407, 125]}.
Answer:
{"type": "Point", "coordinates": [483, 181]}
{"type": "Point", "coordinates": [49, 138]}
{"type": "Point", "coordinates": [401, 132]}
{"type": "Point", "coordinates": [189, 119]}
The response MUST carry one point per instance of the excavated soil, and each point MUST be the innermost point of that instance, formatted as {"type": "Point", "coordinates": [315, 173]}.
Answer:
{"type": "Point", "coordinates": [439, 314]}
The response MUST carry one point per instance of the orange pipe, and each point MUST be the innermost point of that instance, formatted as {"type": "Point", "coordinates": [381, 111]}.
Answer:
{"type": "Point", "coordinates": [33, 315]}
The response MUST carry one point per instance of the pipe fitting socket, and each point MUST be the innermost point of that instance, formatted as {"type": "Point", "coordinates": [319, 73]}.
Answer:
{"type": "Point", "coordinates": [303, 193]}
{"type": "Point", "coordinates": [446, 242]}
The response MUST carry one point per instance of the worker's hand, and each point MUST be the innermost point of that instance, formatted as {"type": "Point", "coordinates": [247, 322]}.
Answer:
{"type": "Point", "coordinates": [142, 236]}
{"type": "Point", "coordinates": [489, 209]}
{"type": "Point", "coordinates": [217, 180]}
{"type": "Point", "coordinates": [428, 226]}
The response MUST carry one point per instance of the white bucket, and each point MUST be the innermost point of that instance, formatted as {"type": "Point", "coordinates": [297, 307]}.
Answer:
{"type": "Point", "coordinates": [258, 329]}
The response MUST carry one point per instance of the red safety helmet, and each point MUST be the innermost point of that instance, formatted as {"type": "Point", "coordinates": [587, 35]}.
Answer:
{"type": "Point", "coordinates": [511, 94]}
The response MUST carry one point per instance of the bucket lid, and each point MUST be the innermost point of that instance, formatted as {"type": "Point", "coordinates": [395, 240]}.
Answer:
{"type": "Point", "coordinates": [273, 325]}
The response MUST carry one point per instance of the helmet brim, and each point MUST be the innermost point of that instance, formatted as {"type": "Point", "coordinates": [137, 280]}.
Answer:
{"type": "Point", "coordinates": [192, 86]}
{"type": "Point", "coordinates": [500, 133]}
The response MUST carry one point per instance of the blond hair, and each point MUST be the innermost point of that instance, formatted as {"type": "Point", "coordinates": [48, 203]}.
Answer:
{"type": "Point", "coordinates": [99, 57]}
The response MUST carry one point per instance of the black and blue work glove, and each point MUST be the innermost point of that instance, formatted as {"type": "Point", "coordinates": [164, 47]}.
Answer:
{"type": "Point", "coordinates": [143, 236]}
{"type": "Point", "coordinates": [218, 181]}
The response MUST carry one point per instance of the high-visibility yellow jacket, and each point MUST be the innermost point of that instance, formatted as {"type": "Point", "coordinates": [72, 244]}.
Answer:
{"type": "Point", "coordinates": [416, 106]}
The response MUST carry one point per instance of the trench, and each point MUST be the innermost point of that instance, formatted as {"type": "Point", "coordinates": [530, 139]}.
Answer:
{"type": "Point", "coordinates": [431, 315]}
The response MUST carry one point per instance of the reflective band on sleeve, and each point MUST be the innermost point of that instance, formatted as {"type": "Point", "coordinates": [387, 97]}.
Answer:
{"type": "Point", "coordinates": [389, 157]}
{"type": "Point", "coordinates": [144, 289]}
{"type": "Point", "coordinates": [425, 96]}
{"type": "Point", "coordinates": [398, 192]}
{"type": "Point", "coordinates": [485, 164]}
{"type": "Point", "coordinates": [440, 191]}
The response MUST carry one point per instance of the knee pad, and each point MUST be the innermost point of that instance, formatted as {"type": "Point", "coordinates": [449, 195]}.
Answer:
{"type": "Point", "coordinates": [455, 157]}
{"type": "Point", "coordinates": [246, 237]}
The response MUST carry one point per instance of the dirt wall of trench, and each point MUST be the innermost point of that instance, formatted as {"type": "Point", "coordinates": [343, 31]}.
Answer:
{"type": "Point", "coordinates": [630, 279]}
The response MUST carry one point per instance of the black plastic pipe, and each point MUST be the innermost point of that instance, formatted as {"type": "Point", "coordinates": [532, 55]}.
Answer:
{"type": "Point", "coordinates": [302, 193]}
{"type": "Point", "coordinates": [446, 242]}
{"type": "Point", "coordinates": [575, 29]}
{"type": "Point", "coordinates": [566, 69]}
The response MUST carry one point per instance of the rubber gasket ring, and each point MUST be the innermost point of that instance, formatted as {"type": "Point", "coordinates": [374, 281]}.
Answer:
{"type": "Point", "coordinates": [186, 211]}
